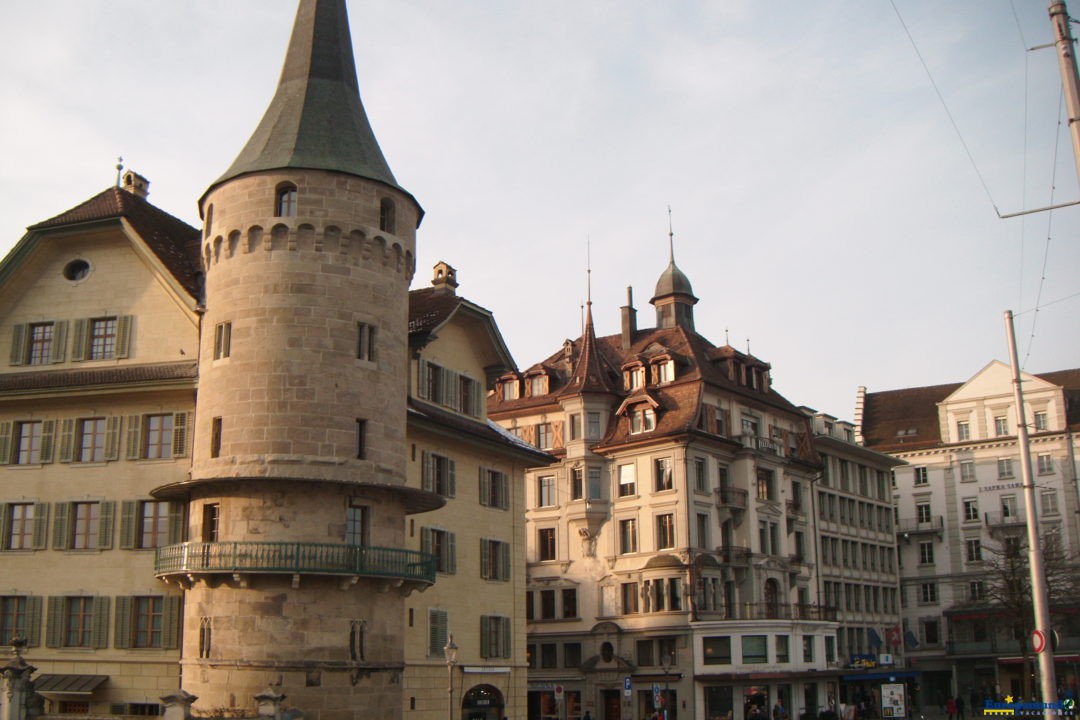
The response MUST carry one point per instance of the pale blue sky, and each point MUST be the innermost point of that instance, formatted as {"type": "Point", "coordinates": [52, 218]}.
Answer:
{"type": "Point", "coordinates": [823, 206]}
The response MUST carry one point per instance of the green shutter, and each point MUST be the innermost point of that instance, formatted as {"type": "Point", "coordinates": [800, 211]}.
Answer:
{"type": "Point", "coordinates": [180, 434]}
{"type": "Point", "coordinates": [485, 487]}
{"type": "Point", "coordinates": [129, 524]}
{"type": "Point", "coordinates": [176, 523]}
{"type": "Point", "coordinates": [112, 437]}
{"type": "Point", "coordinates": [134, 437]}
{"type": "Point", "coordinates": [54, 628]}
{"type": "Point", "coordinates": [123, 336]}
{"type": "Point", "coordinates": [5, 443]}
{"type": "Point", "coordinates": [33, 621]}
{"type": "Point", "coordinates": [438, 622]}
{"type": "Point", "coordinates": [67, 440]}
{"type": "Point", "coordinates": [504, 491]}
{"type": "Point", "coordinates": [61, 527]}
{"type": "Point", "coordinates": [59, 342]}
{"type": "Point", "coordinates": [48, 440]}
{"type": "Point", "coordinates": [122, 635]}
{"type": "Point", "coordinates": [451, 552]}
{"type": "Point", "coordinates": [427, 476]}
{"type": "Point", "coordinates": [504, 636]}
{"type": "Point", "coordinates": [99, 636]}
{"type": "Point", "coordinates": [78, 340]}
{"type": "Point", "coordinates": [485, 649]}
{"type": "Point", "coordinates": [425, 540]}
{"type": "Point", "coordinates": [421, 383]}
{"type": "Point", "coordinates": [504, 561]}
{"type": "Point", "coordinates": [451, 485]}
{"type": "Point", "coordinates": [5, 531]}
{"type": "Point", "coordinates": [19, 336]}
{"type": "Point", "coordinates": [170, 623]}
{"type": "Point", "coordinates": [485, 560]}
{"type": "Point", "coordinates": [41, 525]}
{"type": "Point", "coordinates": [105, 527]}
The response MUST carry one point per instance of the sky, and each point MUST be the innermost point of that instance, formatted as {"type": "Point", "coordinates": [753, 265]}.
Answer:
{"type": "Point", "coordinates": [824, 206]}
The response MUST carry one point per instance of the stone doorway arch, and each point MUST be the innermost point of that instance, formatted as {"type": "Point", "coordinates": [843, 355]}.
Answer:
{"type": "Point", "coordinates": [482, 702]}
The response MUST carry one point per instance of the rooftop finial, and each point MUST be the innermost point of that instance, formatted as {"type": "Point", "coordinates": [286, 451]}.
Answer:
{"type": "Point", "coordinates": [119, 169]}
{"type": "Point", "coordinates": [748, 353]}
{"type": "Point", "coordinates": [727, 339]}
{"type": "Point", "coordinates": [670, 236]}
{"type": "Point", "coordinates": [588, 270]}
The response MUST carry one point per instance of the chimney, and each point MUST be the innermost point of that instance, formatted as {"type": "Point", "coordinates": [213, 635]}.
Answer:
{"type": "Point", "coordinates": [136, 184]}
{"type": "Point", "coordinates": [629, 320]}
{"type": "Point", "coordinates": [860, 407]}
{"type": "Point", "coordinates": [445, 280]}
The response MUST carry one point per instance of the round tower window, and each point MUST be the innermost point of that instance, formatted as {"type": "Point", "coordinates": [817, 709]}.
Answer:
{"type": "Point", "coordinates": [76, 270]}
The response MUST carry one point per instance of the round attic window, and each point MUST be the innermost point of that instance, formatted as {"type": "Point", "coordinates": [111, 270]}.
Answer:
{"type": "Point", "coordinates": [76, 270]}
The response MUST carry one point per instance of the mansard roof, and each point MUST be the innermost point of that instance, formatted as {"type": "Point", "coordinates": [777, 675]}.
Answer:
{"type": "Point", "coordinates": [173, 241]}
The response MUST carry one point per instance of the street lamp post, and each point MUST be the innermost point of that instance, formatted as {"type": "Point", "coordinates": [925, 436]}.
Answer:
{"type": "Point", "coordinates": [450, 651]}
{"type": "Point", "coordinates": [668, 664]}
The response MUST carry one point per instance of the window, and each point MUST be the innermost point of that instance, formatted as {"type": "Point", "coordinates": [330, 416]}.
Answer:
{"type": "Point", "coordinates": [717, 650]}
{"type": "Point", "coordinates": [146, 622]}
{"type": "Point", "coordinates": [361, 438]}
{"type": "Point", "coordinates": [922, 512]}
{"type": "Point", "coordinates": [356, 524]}
{"type": "Point", "coordinates": [530, 655]}
{"type": "Point", "coordinates": [627, 481]}
{"type": "Point", "coordinates": [40, 350]}
{"type": "Point", "coordinates": [450, 389]}
{"type": "Point", "coordinates": [149, 524]}
{"type": "Point", "coordinates": [222, 340]}
{"type": "Point", "coordinates": [967, 471]}
{"type": "Point", "coordinates": [386, 215]}
{"type": "Point", "coordinates": [976, 590]}
{"type": "Point", "coordinates": [545, 491]}
{"type": "Point", "coordinates": [494, 489]}
{"type": "Point", "coordinates": [755, 649]}
{"type": "Point", "coordinates": [285, 202]}
{"type": "Point", "coordinates": [783, 653]}
{"type": "Point", "coordinates": [926, 553]}
{"type": "Point", "coordinates": [442, 545]}
{"type": "Point", "coordinates": [509, 390]}
{"type": "Point", "coordinates": [569, 603]}
{"type": "Point", "coordinates": [702, 530]}
{"type": "Point", "coordinates": [76, 621]}
{"type": "Point", "coordinates": [440, 474]}
{"type": "Point", "coordinates": [577, 483]}
{"type": "Point", "coordinates": [963, 431]}
{"type": "Point", "coordinates": [549, 655]}
{"type": "Point", "coordinates": [91, 440]}
{"type": "Point", "coordinates": [537, 384]}
{"type": "Point", "coordinates": [23, 526]}
{"type": "Point", "coordinates": [494, 636]}
{"type": "Point", "coordinates": [572, 655]}
{"type": "Point", "coordinates": [78, 616]}
{"type": "Point", "coordinates": [365, 342]}
{"type": "Point", "coordinates": [808, 648]}
{"type": "Point", "coordinates": [642, 420]}
{"type": "Point", "coordinates": [628, 536]}
{"type": "Point", "coordinates": [594, 483]}
{"type": "Point", "coordinates": [592, 427]}
{"type": "Point", "coordinates": [103, 338]}
{"type": "Point", "coordinates": [575, 426]}
{"type": "Point", "coordinates": [749, 426]}
{"type": "Point", "coordinates": [921, 476]}
{"type": "Point", "coordinates": [634, 377]}
{"type": "Point", "coordinates": [766, 484]}
{"type": "Point", "coordinates": [1050, 503]}
{"type": "Point", "coordinates": [438, 624]}
{"type": "Point", "coordinates": [547, 604]}
{"type": "Point", "coordinates": [215, 437]}
{"type": "Point", "coordinates": [544, 436]}
{"type": "Point", "coordinates": [928, 593]}
{"type": "Point", "coordinates": [973, 549]}
{"type": "Point", "coordinates": [629, 598]}
{"type": "Point", "coordinates": [1004, 466]}
{"type": "Point", "coordinates": [494, 559]}
{"type": "Point", "coordinates": [546, 543]}
{"type": "Point", "coordinates": [1045, 464]}
{"type": "Point", "coordinates": [662, 474]}
{"type": "Point", "coordinates": [83, 528]}
{"type": "Point", "coordinates": [701, 475]}
{"type": "Point", "coordinates": [356, 639]}
{"type": "Point", "coordinates": [1008, 506]}
{"type": "Point", "coordinates": [32, 442]}
{"type": "Point", "coordinates": [971, 509]}
{"type": "Point", "coordinates": [211, 522]}
{"type": "Point", "coordinates": [931, 634]}
{"type": "Point", "coordinates": [665, 531]}
{"type": "Point", "coordinates": [1001, 425]}
{"type": "Point", "coordinates": [1040, 421]}
{"type": "Point", "coordinates": [19, 615]}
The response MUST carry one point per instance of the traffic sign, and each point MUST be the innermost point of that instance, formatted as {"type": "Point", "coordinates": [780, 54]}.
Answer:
{"type": "Point", "coordinates": [656, 694]}
{"type": "Point", "coordinates": [558, 692]}
{"type": "Point", "coordinates": [1038, 641]}
{"type": "Point", "coordinates": [627, 686]}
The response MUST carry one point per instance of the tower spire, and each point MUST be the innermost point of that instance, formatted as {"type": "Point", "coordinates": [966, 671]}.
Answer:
{"type": "Point", "coordinates": [671, 238]}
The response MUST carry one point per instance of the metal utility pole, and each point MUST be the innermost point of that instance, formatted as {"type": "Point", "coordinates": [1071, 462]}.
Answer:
{"type": "Point", "coordinates": [1070, 79]}
{"type": "Point", "coordinates": [1039, 600]}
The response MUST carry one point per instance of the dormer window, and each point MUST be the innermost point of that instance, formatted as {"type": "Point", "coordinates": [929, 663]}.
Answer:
{"type": "Point", "coordinates": [642, 419]}
{"type": "Point", "coordinates": [664, 371]}
{"type": "Point", "coordinates": [285, 202]}
{"type": "Point", "coordinates": [509, 389]}
{"type": "Point", "coordinates": [538, 385]}
{"type": "Point", "coordinates": [634, 377]}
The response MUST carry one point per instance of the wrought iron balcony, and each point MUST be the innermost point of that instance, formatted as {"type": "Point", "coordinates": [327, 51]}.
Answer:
{"type": "Point", "coordinates": [734, 555]}
{"type": "Point", "coordinates": [774, 611]}
{"type": "Point", "coordinates": [762, 444]}
{"type": "Point", "coordinates": [294, 558]}
{"type": "Point", "coordinates": [999, 520]}
{"type": "Point", "coordinates": [915, 526]}
{"type": "Point", "coordinates": [796, 508]}
{"type": "Point", "coordinates": [731, 497]}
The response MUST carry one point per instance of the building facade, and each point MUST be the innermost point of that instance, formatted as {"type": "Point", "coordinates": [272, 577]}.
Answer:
{"type": "Point", "coordinates": [961, 512]}
{"type": "Point", "coordinates": [670, 548]}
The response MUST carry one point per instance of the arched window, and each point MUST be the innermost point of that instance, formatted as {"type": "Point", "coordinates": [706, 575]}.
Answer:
{"type": "Point", "coordinates": [386, 215]}
{"type": "Point", "coordinates": [285, 202]}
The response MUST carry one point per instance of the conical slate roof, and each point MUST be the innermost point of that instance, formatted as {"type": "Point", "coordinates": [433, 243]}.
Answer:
{"type": "Point", "coordinates": [673, 281]}
{"type": "Point", "coordinates": [316, 120]}
{"type": "Point", "coordinates": [592, 371]}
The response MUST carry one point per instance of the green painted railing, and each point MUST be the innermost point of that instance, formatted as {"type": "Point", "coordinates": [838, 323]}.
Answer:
{"type": "Point", "coordinates": [294, 557]}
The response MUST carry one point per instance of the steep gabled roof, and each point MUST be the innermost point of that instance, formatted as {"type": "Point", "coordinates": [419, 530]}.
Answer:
{"type": "Point", "coordinates": [172, 240]}
{"type": "Point", "coordinates": [430, 308]}
{"type": "Point", "coordinates": [592, 373]}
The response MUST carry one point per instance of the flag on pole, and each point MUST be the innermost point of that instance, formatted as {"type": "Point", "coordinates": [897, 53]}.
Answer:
{"type": "Point", "coordinates": [892, 636]}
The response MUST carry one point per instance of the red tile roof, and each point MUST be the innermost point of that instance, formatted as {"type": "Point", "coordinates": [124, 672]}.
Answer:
{"type": "Point", "coordinates": [428, 309]}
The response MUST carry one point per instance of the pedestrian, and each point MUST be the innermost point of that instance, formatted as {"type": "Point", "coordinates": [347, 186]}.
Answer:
{"type": "Point", "coordinates": [950, 708]}
{"type": "Point", "coordinates": [778, 711]}
{"type": "Point", "coordinates": [960, 706]}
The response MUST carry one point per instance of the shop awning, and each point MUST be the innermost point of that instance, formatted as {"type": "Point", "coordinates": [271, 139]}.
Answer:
{"type": "Point", "coordinates": [68, 684]}
{"type": "Point", "coordinates": [899, 674]}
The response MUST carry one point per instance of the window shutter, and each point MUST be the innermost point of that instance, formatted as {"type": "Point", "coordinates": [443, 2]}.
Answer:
{"type": "Point", "coordinates": [78, 340]}
{"type": "Point", "coordinates": [504, 637]}
{"type": "Point", "coordinates": [41, 526]}
{"type": "Point", "coordinates": [122, 636]}
{"type": "Point", "coordinates": [59, 342]}
{"type": "Point", "coordinates": [170, 629]}
{"type": "Point", "coordinates": [504, 495]}
{"type": "Point", "coordinates": [485, 559]}
{"type": "Point", "coordinates": [128, 525]}
{"type": "Point", "coordinates": [112, 437]}
{"type": "Point", "coordinates": [123, 335]}
{"type": "Point", "coordinates": [105, 528]}
{"type": "Point", "coordinates": [425, 540]}
{"type": "Point", "coordinates": [33, 621]}
{"type": "Point", "coordinates": [421, 384]}
{"type": "Point", "coordinates": [446, 379]}
{"type": "Point", "coordinates": [485, 650]}
{"type": "Point", "coordinates": [48, 440]}
{"type": "Point", "coordinates": [61, 527]}
{"type": "Point", "coordinates": [134, 437]}
{"type": "Point", "coordinates": [54, 628]}
{"type": "Point", "coordinates": [451, 484]}
{"type": "Point", "coordinates": [67, 440]}
{"type": "Point", "coordinates": [451, 552]}
{"type": "Point", "coordinates": [5, 530]}
{"type": "Point", "coordinates": [180, 434]}
{"type": "Point", "coordinates": [710, 418]}
{"type": "Point", "coordinates": [504, 561]}
{"type": "Point", "coordinates": [425, 462]}
{"type": "Point", "coordinates": [485, 487]}
{"type": "Point", "coordinates": [19, 336]}
{"type": "Point", "coordinates": [99, 636]}
{"type": "Point", "coordinates": [557, 434]}
{"type": "Point", "coordinates": [437, 629]}
{"type": "Point", "coordinates": [5, 443]}
{"type": "Point", "coordinates": [176, 523]}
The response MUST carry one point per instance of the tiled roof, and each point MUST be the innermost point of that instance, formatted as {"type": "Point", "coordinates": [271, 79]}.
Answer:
{"type": "Point", "coordinates": [484, 431]}
{"type": "Point", "coordinates": [172, 240]}
{"type": "Point", "coordinates": [96, 377]}
{"type": "Point", "coordinates": [428, 309]}
{"type": "Point", "coordinates": [907, 419]}
{"type": "Point", "coordinates": [591, 373]}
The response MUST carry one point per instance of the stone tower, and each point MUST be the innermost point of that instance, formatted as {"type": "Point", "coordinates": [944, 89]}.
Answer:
{"type": "Point", "coordinates": [295, 568]}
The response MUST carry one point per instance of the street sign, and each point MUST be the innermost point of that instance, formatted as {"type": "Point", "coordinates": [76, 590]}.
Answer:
{"type": "Point", "coordinates": [558, 692]}
{"type": "Point", "coordinates": [656, 695]}
{"type": "Point", "coordinates": [1038, 641]}
{"type": "Point", "coordinates": [627, 686]}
